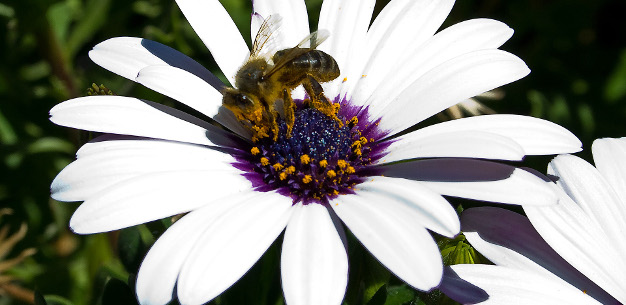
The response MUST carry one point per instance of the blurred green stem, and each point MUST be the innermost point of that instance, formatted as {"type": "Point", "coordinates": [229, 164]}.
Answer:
{"type": "Point", "coordinates": [51, 49]}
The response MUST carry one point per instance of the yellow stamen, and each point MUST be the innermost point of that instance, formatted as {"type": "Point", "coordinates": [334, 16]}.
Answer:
{"type": "Point", "coordinates": [265, 161]}
{"type": "Point", "coordinates": [323, 163]}
{"type": "Point", "coordinates": [307, 179]}
{"type": "Point", "coordinates": [345, 79]}
{"type": "Point", "coordinates": [290, 170]}
{"type": "Point", "coordinates": [255, 151]}
{"type": "Point", "coordinates": [342, 164]}
{"type": "Point", "coordinates": [331, 174]}
{"type": "Point", "coordinates": [336, 107]}
{"type": "Point", "coordinates": [304, 159]}
{"type": "Point", "coordinates": [278, 166]}
{"type": "Point", "coordinates": [282, 176]}
{"type": "Point", "coordinates": [350, 170]}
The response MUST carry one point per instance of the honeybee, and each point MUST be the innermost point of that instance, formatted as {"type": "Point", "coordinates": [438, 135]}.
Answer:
{"type": "Point", "coordinates": [265, 79]}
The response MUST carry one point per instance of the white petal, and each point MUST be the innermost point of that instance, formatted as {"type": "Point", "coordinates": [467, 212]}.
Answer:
{"type": "Point", "coordinates": [347, 21]}
{"type": "Point", "coordinates": [509, 239]}
{"type": "Point", "coordinates": [583, 183]}
{"type": "Point", "coordinates": [131, 116]}
{"type": "Point", "coordinates": [218, 32]}
{"type": "Point", "coordinates": [462, 144]}
{"type": "Point", "coordinates": [159, 270]}
{"type": "Point", "coordinates": [314, 262]}
{"type": "Point", "coordinates": [191, 91]}
{"type": "Point", "coordinates": [609, 156]}
{"type": "Point", "coordinates": [447, 84]}
{"type": "Point", "coordinates": [534, 136]}
{"type": "Point", "coordinates": [231, 245]}
{"type": "Point", "coordinates": [581, 242]}
{"type": "Point", "coordinates": [109, 143]}
{"type": "Point", "coordinates": [518, 286]}
{"type": "Point", "coordinates": [126, 56]}
{"type": "Point", "coordinates": [394, 238]}
{"type": "Point", "coordinates": [294, 19]}
{"type": "Point", "coordinates": [503, 255]}
{"type": "Point", "coordinates": [105, 165]}
{"type": "Point", "coordinates": [154, 196]}
{"type": "Point", "coordinates": [419, 204]}
{"type": "Point", "coordinates": [459, 39]}
{"type": "Point", "coordinates": [476, 179]}
{"type": "Point", "coordinates": [400, 29]}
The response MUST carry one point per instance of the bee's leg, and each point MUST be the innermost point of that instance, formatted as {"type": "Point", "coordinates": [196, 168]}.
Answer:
{"type": "Point", "coordinates": [319, 101]}
{"type": "Point", "coordinates": [272, 114]}
{"type": "Point", "coordinates": [289, 110]}
{"type": "Point", "coordinates": [264, 119]}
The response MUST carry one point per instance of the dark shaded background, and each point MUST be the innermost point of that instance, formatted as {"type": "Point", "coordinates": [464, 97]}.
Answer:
{"type": "Point", "coordinates": [576, 50]}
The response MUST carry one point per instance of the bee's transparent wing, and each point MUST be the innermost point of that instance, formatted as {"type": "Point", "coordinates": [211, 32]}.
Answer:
{"type": "Point", "coordinates": [310, 42]}
{"type": "Point", "coordinates": [313, 40]}
{"type": "Point", "coordinates": [267, 37]}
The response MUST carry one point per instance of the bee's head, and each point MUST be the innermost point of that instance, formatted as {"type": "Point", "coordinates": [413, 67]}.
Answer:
{"type": "Point", "coordinates": [238, 102]}
{"type": "Point", "coordinates": [235, 98]}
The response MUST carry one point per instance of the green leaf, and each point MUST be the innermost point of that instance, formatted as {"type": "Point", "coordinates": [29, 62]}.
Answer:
{"type": "Point", "coordinates": [131, 249]}
{"type": "Point", "coordinates": [615, 87]}
{"type": "Point", "coordinates": [375, 277]}
{"type": "Point", "coordinates": [399, 295]}
{"type": "Point", "coordinates": [60, 16]}
{"type": "Point", "coordinates": [7, 133]}
{"type": "Point", "coordinates": [559, 110]}
{"type": "Point", "coordinates": [57, 300]}
{"type": "Point", "coordinates": [50, 299]}
{"type": "Point", "coordinates": [147, 8]}
{"type": "Point", "coordinates": [51, 144]}
{"type": "Point", "coordinates": [435, 297]}
{"type": "Point", "coordinates": [35, 71]}
{"type": "Point", "coordinates": [6, 11]}
{"type": "Point", "coordinates": [94, 18]}
{"type": "Point", "coordinates": [380, 297]}
{"type": "Point", "coordinates": [538, 103]}
{"type": "Point", "coordinates": [585, 114]}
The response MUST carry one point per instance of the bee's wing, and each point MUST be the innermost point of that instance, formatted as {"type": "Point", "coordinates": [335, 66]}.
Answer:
{"type": "Point", "coordinates": [265, 36]}
{"type": "Point", "coordinates": [310, 42]}
{"type": "Point", "coordinates": [313, 40]}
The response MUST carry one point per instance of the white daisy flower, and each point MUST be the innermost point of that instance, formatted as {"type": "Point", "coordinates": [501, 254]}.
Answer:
{"type": "Point", "coordinates": [242, 192]}
{"type": "Point", "coordinates": [574, 253]}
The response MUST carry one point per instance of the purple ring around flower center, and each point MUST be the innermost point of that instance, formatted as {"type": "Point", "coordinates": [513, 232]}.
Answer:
{"type": "Point", "coordinates": [321, 160]}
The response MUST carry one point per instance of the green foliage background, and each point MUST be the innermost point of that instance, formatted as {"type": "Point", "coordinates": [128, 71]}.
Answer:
{"type": "Point", "coordinates": [576, 50]}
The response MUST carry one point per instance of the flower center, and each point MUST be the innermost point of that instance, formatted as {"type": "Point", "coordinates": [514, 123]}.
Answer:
{"type": "Point", "coordinates": [320, 160]}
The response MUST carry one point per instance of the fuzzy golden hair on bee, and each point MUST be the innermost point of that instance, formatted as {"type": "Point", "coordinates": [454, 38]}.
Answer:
{"type": "Point", "coordinates": [267, 78]}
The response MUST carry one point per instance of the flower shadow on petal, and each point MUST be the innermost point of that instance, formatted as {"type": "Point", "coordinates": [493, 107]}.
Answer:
{"type": "Point", "coordinates": [215, 134]}
{"type": "Point", "coordinates": [176, 59]}
{"type": "Point", "coordinates": [515, 232]}
{"type": "Point", "coordinates": [460, 290]}
{"type": "Point", "coordinates": [449, 170]}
